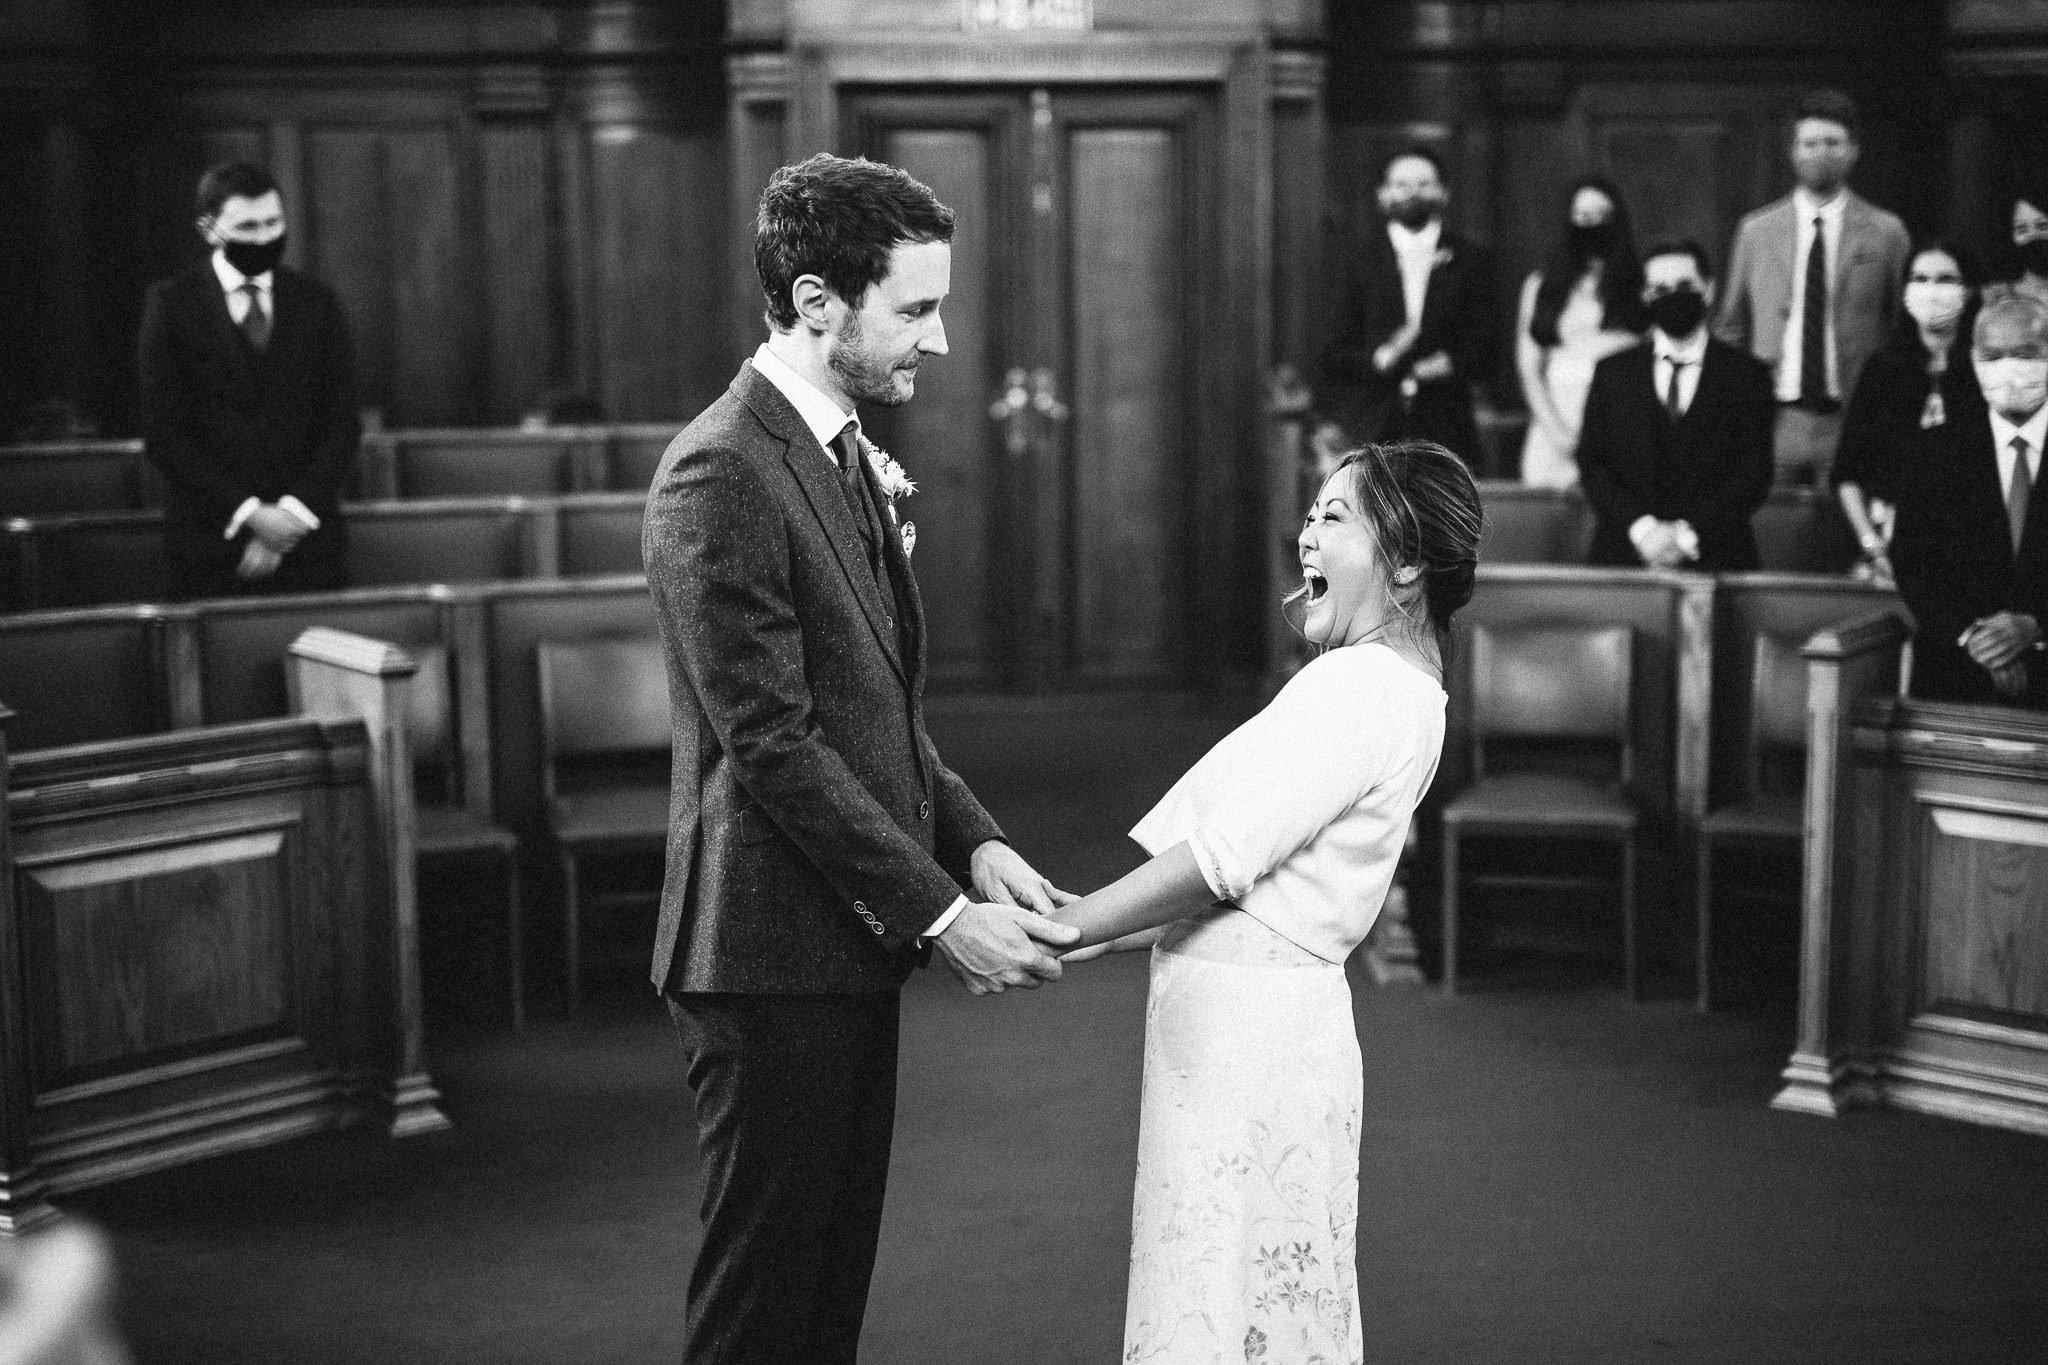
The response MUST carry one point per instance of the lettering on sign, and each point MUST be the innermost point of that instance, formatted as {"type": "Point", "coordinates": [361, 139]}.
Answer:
{"type": "Point", "coordinates": [1017, 16]}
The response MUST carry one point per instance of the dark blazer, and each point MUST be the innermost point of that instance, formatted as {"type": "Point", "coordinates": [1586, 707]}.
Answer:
{"type": "Point", "coordinates": [1881, 431]}
{"type": "Point", "coordinates": [1458, 318]}
{"type": "Point", "coordinates": [1952, 551]}
{"type": "Point", "coordinates": [226, 423]}
{"type": "Point", "coordinates": [1711, 468]}
{"type": "Point", "coordinates": [813, 832]}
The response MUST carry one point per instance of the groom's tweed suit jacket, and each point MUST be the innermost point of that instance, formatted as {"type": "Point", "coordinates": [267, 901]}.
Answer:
{"type": "Point", "coordinates": [813, 831]}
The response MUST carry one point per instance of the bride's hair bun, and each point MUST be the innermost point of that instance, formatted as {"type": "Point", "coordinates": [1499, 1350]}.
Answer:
{"type": "Point", "coordinates": [1424, 509]}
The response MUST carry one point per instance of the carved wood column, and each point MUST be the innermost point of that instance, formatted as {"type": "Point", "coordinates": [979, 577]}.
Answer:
{"type": "Point", "coordinates": [22, 1201]}
{"type": "Point", "coordinates": [334, 675]}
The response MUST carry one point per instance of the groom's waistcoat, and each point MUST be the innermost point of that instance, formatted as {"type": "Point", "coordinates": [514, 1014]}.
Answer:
{"type": "Point", "coordinates": [813, 831]}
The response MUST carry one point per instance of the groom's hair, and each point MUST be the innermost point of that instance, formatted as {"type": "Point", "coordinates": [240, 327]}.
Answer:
{"type": "Point", "coordinates": [839, 220]}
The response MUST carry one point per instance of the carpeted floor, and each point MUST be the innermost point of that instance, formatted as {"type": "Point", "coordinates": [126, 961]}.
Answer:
{"type": "Point", "coordinates": [1551, 1173]}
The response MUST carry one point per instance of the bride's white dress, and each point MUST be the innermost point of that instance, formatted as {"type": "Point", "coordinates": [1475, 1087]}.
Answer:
{"type": "Point", "coordinates": [1244, 1224]}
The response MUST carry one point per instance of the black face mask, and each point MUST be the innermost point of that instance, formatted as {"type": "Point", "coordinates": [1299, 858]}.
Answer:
{"type": "Point", "coordinates": [254, 258]}
{"type": "Point", "coordinates": [1676, 314]}
{"type": "Point", "coordinates": [2033, 256]}
{"type": "Point", "coordinates": [1414, 214]}
{"type": "Point", "coordinates": [1590, 239]}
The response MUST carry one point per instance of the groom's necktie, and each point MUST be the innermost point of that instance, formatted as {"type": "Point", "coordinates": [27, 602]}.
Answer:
{"type": "Point", "coordinates": [847, 446]}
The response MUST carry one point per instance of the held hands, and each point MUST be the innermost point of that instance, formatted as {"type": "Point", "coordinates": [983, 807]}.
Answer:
{"type": "Point", "coordinates": [1665, 544]}
{"type": "Point", "coordinates": [1996, 643]}
{"type": "Point", "coordinates": [258, 561]}
{"type": "Point", "coordinates": [1394, 349]}
{"type": "Point", "coordinates": [1002, 940]}
{"type": "Point", "coordinates": [276, 528]}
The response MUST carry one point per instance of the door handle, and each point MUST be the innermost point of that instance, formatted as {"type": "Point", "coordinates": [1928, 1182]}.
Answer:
{"type": "Point", "coordinates": [1012, 408]}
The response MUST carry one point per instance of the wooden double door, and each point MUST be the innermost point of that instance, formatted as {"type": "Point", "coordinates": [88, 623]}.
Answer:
{"type": "Point", "coordinates": [1058, 447]}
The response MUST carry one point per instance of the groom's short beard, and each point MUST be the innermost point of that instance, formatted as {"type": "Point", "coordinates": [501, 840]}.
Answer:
{"type": "Point", "coordinates": [856, 369]}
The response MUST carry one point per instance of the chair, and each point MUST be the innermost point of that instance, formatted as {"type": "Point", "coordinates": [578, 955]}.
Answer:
{"type": "Point", "coordinates": [604, 764]}
{"type": "Point", "coordinates": [1548, 689]}
{"type": "Point", "coordinates": [1765, 812]}
{"type": "Point", "coordinates": [449, 828]}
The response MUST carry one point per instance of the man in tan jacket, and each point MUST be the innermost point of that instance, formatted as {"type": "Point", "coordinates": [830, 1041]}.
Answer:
{"type": "Point", "coordinates": [1814, 286]}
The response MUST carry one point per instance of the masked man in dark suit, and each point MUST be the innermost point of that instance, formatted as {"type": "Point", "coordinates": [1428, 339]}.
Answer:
{"type": "Point", "coordinates": [1971, 545]}
{"type": "Point", "coordinates": [817, 844]}
{"type": "Point", "coordinates": [1418, 324]}
{"type": "Point", "coordinates": [1675, 453]}
{"type": "Point", "coordinates": [248, 404]}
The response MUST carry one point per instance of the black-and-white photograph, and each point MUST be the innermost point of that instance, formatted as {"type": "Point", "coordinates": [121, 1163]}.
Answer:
{"type": "Point", "coordinates": [1024, 682]}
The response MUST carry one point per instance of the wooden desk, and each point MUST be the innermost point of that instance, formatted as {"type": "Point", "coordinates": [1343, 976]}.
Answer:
{"type": "Point", "coordinates": [1924, 967]}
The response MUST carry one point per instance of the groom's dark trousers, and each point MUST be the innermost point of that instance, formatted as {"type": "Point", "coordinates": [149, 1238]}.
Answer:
{"type": "Point", "coordinates": [813, 836]}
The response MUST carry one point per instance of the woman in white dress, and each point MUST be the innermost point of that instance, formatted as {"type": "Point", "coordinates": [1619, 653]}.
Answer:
{"type": "Point", "coordinates": [1580, 308]}
{"type": "Point", "coordinates": [1272, 857]}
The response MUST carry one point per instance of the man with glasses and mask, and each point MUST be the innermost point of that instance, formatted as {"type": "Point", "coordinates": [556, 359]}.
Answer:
{"type": "Point", "coordinates": [1675, 453]}
{"type": "Point", "coordinates": [1813, 286]}
{"type": "Point", "coordinates": [1419, 321]}
{"type": "Point", "coordinates": [248, 404]}
{"type": "Point", "coordinates": [1971, 548]}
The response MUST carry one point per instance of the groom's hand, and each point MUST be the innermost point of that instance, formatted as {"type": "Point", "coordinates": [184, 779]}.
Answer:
{"type": "Point", "coordinates": [994, 947]}
{"type": "Point", "coordinates": [1001, 876]}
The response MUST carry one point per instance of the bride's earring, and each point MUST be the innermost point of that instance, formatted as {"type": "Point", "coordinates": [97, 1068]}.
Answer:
{"type": "Point", "coordinates": [1407, 575]}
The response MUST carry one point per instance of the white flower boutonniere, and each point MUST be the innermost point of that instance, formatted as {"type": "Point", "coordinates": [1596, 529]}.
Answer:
{"type": "Point", "coordinates": [1442, 258]}
{"type": "Point", "coordinates": [896, 485]}
{"type": "Point", "coordinates": [895, 482]}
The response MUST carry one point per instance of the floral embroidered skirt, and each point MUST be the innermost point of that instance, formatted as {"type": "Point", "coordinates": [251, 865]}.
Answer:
{"type": "Point", "coordinates": [1244, 1225]}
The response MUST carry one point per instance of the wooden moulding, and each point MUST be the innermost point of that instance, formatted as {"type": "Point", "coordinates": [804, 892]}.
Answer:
{"type": "Point", "coordinates": [1830, 1068]}
{"type": "Point", "coordinates": [195, 954]}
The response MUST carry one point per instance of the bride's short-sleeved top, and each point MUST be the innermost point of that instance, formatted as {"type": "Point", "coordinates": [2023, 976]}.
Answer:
{"type": "Point", "coordinates": [1299, 815]}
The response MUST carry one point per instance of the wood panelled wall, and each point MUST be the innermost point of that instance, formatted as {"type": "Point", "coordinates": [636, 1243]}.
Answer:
{"type": "Point", "coordinates": [517, 198]}
{"type": "Point", "coordinates": [512, 201]}
{"type": "Point", "coordinates": [1683, 104]}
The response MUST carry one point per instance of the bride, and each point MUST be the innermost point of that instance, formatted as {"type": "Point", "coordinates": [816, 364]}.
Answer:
{"type": "Point", "coordinates": [1272, 857]}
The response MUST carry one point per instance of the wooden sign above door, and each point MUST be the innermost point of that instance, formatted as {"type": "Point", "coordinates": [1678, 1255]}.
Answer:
{"type": "Point", "coordinates": [1018, 16]}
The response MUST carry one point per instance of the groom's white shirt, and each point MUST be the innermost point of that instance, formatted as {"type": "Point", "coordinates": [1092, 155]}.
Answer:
{"type": "Point", "coordinates": [827, 419]}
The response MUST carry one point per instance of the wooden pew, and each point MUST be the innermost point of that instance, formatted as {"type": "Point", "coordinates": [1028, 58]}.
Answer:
{"type": "Point", "coordinates": [599, 533]}
{"type": "Point", "coordinates": [1924, 937]}
{"type": "Point", "coordinates": [104, 673]}
{"type": "Point", "coordinates": [481, 462]}
{"type": "Point", "coordinates": [1533, 525]}
{"type": "Point", "coordinates": [52, 478]}
{"type": "Point", "coordinates": [1671, 614]}
{"type": "Point", "coordinates": [631, 453]}
{"type": "Point", "coordinates": [519, 616]}
{"type": "Point", "coordinates": [91, 559]}
{"type": "Point", "coordinates": [1788, 606]}
{"type": "Point", "coordinates": [202, 954]}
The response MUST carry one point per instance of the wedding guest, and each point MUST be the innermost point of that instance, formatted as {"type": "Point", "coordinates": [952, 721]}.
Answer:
{"type": "Point", "coordinates": [1675, 454]}
{"type": "Point", "coordinates": [1418, 320]}
{"type": "Point", "coordinates": [1971, 549]}
{"type": "Point", "coordinates": [2030, 242]}
{"type": "Point", "coordinates": [1813, 286]}
{"type": "Point", "coordinates": [1582, 306]}
{"type": "Point", "coordinates": [1270, 861]}
{"type": "Point", "coordinates": [248, 404]}
{"type": "Point", "coordinates": [1905, 394]}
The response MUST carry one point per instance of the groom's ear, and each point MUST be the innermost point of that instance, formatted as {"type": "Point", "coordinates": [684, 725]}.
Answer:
{"type": "Point", "coordinates": [813, 302]}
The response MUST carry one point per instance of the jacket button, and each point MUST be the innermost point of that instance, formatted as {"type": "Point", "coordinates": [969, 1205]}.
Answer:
{"type": "Point", "coordinates": [924, 810]}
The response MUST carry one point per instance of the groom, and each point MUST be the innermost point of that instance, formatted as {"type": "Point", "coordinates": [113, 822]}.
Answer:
{"type": "Point", "coordinates": [817, 845]}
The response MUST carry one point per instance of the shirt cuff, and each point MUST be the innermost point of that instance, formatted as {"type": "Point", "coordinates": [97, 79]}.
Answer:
{"type": "Point", "coordinates": [943, 922]}
{"type": "Point", "coordinates": [241, 515]}
{"type": "Point", "coordinates": [1214, 861]}
{"type": "Point", "coordinates": [298, 509]}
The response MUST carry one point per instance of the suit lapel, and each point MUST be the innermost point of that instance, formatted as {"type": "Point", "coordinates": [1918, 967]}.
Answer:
{"type": "Point", "coordinates": [1855, 218]}
{"type": "Point", "coordinates": [1437, 287]}
{"type": "Point", "coordinates": [899, 563]}
{"type": "Point", "coordinates": [812, 469]}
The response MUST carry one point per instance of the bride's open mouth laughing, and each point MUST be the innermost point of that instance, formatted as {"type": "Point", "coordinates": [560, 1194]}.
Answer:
{"type": "Point", "coordinates": [1314, 583]}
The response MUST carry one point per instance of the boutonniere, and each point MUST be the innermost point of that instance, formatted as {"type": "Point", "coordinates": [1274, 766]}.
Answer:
{"type": "Point", "coordinates": [896, 485]}
{"type": "Point", "coordinates": [1442, 258]}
